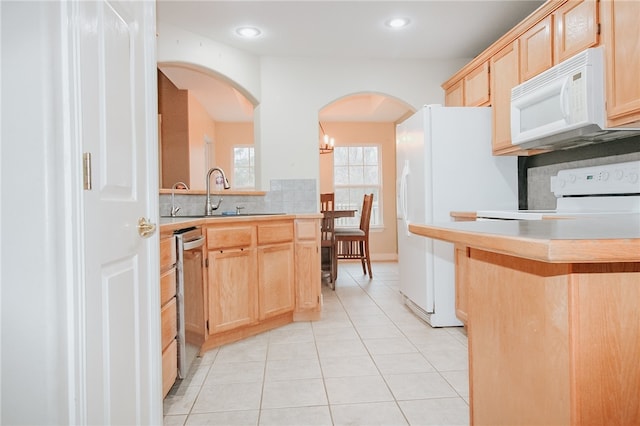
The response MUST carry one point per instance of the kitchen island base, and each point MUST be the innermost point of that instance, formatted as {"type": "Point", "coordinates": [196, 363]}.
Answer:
{"type": "Point", "coordinates": [552, 343]}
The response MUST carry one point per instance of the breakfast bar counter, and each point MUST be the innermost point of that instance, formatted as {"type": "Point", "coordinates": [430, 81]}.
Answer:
{"type": "Point", "coordinates": [610, 238]}
{"type": "Point", "coordinates": [552, 310]}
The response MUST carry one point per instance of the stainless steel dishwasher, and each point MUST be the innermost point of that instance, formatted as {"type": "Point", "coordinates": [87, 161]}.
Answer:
{"type": "Point", "coordinates": [189, 296]}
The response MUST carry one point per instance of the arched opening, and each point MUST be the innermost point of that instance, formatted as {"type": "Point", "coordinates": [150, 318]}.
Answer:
{"type": "Point", "coordinates": [354, 118]}
{"type": "Point", "coordinates": [362, 126]}
{"type": "Point", "coordinates": [205, 120]}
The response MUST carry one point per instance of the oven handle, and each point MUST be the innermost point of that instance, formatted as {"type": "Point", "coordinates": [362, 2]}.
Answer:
{"type": "Point", "coordinates": [190, 245]}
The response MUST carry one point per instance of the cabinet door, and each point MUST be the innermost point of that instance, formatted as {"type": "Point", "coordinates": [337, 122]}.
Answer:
{"type": "Point", "coordinates": [454, 95]}
{"type": "Point", "coordinates": [505, 74]}
{"type": "Point", "coordinates": [307, 273]}
{"type": "Point", "coordinates": [536, 49]}
{"type": "Point", "coordinates": [232, 289]}
{"type": "Point", "coordinates": [476, 86]}
{"type": "Point", "coordinates": [576, 28]}
{"type": "Point", "coordinates": [276, 294]}
{"type": "Point", "coordinates": [621, 35]}
{"type": "Point", "coordinates": [169, 367]}
{"type": "Point", "coordinates": [462, 283]}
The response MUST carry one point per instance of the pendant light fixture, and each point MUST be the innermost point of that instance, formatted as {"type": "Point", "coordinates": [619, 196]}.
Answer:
{"type": "Point", "coordinates": [326, 143]}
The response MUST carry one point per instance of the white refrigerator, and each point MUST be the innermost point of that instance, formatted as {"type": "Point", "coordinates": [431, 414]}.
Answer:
{"type": "Point", "coordinates": [444, 164]}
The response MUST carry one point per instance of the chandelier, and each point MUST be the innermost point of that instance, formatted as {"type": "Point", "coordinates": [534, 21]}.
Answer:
{"type": "Point", "coordinates": [326, 143]}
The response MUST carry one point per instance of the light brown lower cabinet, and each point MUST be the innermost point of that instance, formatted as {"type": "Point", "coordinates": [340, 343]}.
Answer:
{"type": "Point", "coordinates": [232, 289]}
{"type": "Point", "coordinates": [307, 270]}
{"type": "Point", "coordinates": [276, 293]}
{"type": "Point", "coordinates": [552, 343]}
{"type": "Point", "coordinates": [168, 318]}
{"type": "Point", "coordinates": [462, 283]}
{"type": "Point", "coordinates": [251, 278]}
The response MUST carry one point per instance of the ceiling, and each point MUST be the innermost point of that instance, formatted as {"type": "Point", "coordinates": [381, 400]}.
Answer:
{"type": "Point", "coordinates": [337, 29]}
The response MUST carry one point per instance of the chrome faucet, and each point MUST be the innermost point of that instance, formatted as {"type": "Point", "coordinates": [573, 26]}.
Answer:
{"type": "Point", "coordinates": [174, 208]}
{"type": "Point", "coordinates": [209, 206]}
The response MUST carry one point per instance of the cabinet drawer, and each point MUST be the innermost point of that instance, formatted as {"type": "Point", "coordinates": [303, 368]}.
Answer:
{"type": "Point", "coordinates": [275, 233]}
{"type": "Point", "coordinates": [307, 229]}
{"type": "Point", "coordinates": [167, 286]}
{"type": "Point", "coordinates": [169, 366]}
{"type": "Point", "coordinates": [229, 237]}
{"type": "Point", "coordinates": [167, 252]}
{"type": "Point", "coordinates": [168, 321]}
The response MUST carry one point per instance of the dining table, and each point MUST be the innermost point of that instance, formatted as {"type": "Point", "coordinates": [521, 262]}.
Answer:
{"type": "Point", "coordinates": [337, 214]}
{"type": "Point", "coordinates": [340, 213]}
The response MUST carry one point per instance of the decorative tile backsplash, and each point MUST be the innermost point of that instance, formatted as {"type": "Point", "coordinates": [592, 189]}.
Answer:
{"type": "Point", "coordinates": [284, 196]}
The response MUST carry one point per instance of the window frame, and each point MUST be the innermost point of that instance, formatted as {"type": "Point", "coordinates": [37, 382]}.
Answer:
{"type": "Point", "coordinates": [252, 167]}
{"type": "Point", "coordinates": [377, 217]}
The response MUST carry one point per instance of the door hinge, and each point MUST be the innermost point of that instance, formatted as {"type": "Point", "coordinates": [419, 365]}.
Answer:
{"type": "Point", "coordinates": [599, 27]}
{"type": "Point", "coordinates": [206, 263]}
{"type": "Point", "coordinates": [86, 171]}
{"type": "Point", "coordinates": [207, 324]}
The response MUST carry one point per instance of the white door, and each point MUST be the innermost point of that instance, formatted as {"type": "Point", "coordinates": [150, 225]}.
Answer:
{"type": "Point", "coordinates": [115, 59]}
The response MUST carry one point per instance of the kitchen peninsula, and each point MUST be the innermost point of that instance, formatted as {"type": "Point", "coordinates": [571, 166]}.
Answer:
{"type": "Point", "coordinates": [553, 318]}
{"type": "Point", "coordinates": [254, 272]}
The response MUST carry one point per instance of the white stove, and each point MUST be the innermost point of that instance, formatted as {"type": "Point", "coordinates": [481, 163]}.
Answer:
{"type": "Point", "coordinates": [588, 191]}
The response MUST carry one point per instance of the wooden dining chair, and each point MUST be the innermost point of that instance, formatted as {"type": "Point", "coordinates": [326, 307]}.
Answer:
{"type": "Point", "coordinates": [353, 243]}
{"type": "Point", "coordinates": [328, 240]}
{"type": "Point", "coordinates": [327, 202]}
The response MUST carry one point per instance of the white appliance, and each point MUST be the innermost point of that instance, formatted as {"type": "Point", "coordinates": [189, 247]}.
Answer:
{"type": "Point", "coordinates": [587, 191]}
{"type": "Point", "coordinates": [444, 164]}
{"type": "Point", "coordinates": [564, 106]}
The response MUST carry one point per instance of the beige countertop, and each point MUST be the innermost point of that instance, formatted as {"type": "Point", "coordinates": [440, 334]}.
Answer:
{"type": "Point", "coordinates": [581, 240]}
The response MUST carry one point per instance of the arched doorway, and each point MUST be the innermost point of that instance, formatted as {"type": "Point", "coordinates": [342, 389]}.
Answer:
{"type": "Point", "coordinates": [363, 159]}
{"type": "Point", "coordinates": [205, 120]}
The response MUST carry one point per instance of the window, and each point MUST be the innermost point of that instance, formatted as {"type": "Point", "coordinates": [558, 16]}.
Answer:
{"type": "Point", "coordinates": [356, 171]}
{"type": "Point", "coordinates": [244, 174]}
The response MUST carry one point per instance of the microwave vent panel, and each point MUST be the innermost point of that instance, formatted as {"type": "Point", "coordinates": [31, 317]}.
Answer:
{"type": "Point", "coordinates": [582, 59]}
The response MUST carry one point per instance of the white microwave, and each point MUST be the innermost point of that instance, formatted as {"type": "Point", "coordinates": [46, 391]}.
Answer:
{"type": "Point", "coordinates": [564, 106]}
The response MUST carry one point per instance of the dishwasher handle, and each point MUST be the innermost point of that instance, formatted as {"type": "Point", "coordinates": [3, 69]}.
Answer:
{"type": "Point", "coordinates": [193, 244]}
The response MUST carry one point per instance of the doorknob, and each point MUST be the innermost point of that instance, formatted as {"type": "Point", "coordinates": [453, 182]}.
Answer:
{"type": "Point", "coordinates": [145, 227]}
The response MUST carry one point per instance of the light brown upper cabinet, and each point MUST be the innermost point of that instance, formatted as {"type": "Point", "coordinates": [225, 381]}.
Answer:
{"type": "Point", "coordinates": [621, 37]}
{"type": "Point", "coordinates": [476, 86]}
{"type": "Point", "coordinates": [536, 49]}
{"type": "Point", "coordinates": [576, 28]}
{"type": "Point", "coordinates": [470, 90]}
{"type": "Point", "coordinates": [505, 74]}
{"type": "Point", "coordinates": [556, 31]}
{"type": "Point", "coordinates": [454, 95]}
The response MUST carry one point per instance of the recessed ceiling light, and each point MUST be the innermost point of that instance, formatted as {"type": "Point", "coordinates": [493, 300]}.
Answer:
{"type": "Point", "coordinates": [248, 32]}
{"type": "Point", "coordinates": [398, 22]}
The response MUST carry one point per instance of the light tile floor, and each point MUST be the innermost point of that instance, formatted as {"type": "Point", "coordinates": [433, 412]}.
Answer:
{"type": "Point", "coordinates": [369, 361]}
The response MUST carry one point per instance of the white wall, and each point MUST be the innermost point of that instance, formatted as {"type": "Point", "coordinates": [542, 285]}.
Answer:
{"type": "Point", "coordinates": [181, 46]}
{"type": "Point", "coordinates": [291, 92]}
{"type": "Point", "coordinates": [34, 357]}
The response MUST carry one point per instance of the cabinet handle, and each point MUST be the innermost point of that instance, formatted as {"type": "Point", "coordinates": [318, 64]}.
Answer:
{"type": "Point", "coordinates": [190, 245]}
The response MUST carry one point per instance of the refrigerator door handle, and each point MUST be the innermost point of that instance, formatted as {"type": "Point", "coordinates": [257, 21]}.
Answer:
{"type": "Point", "coordinates": [403, 196]}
